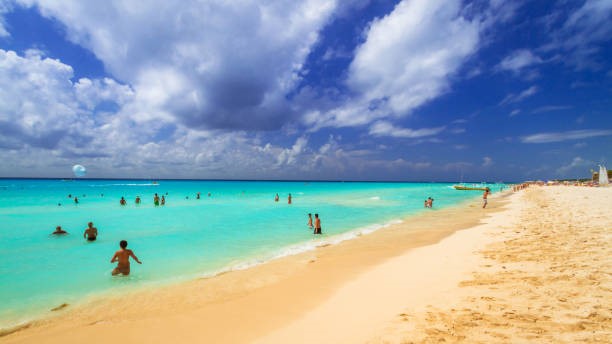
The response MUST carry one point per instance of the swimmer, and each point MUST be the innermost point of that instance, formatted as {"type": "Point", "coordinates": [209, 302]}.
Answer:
{"type": "Point", "coordinates": [289, 199]}
{"type": "Point", "coordinates": [122, 257]}
{"type": "Point", "coordinates": [76, 200]}
{"type": "Point", "coordinates": [163, 200]}
{"type": "Point", "coordinates": [59, 230]}
{"type": "Point", "coordinates": [137, 200]}
{"type": "Point", "coordinates": [209, 194]}
{"type": "Point", "coordinates": [276, 198]}
{"type": "Point", "coordinates": [310, 220]}
{"type": "Point", "coordinates": [122, 201]}
{"type": "Point", "coordinates": [317, 224]}
{"type": "Point", "coordinates": [91, 233]}
{"type": "Point", "coordinates": [198, 195]}
{"type": "Point", "coordinates": [156, 200]}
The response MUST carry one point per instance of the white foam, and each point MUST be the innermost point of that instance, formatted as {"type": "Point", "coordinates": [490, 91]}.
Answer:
{"type": "Point", "coordinates": [375, 198]}
{"type": "Point", "coordinates": [303, 247]}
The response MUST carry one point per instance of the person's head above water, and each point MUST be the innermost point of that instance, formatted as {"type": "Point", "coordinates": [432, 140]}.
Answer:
{"type": "Point", "coordinates": [123, 244]}
{"type": "Point", "coordinates": [90, 224]}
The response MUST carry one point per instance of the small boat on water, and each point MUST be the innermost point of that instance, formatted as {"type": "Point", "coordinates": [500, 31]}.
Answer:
{"type": "Point", "coordinates": [463, 187]}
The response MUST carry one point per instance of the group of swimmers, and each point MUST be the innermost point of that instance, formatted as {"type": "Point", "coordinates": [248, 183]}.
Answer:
{"type": "Point", "coordinates": [276, 198]}
{"type": "Point", "coordinates": [122, 256]}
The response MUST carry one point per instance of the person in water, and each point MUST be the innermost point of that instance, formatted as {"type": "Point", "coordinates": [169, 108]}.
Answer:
{"type": "Point", "coordinates": [276, 198]}
{"type": "Point", "coordinates": [310, 220]}
{"type": "Point", "coordinates": [59, 230]}
{"type": "Point", "coordinates": [163, 200]}
{"type": "Point", "coordinates": [484, 197]}
{"type": "Point", "coordinates": [156, 200]}
{"type": "Point", "coordinates": [122, 257]}
{"type": "Point", "coordinates": [76, 200]}
{"type": "Point", "coordinates": [289, 199]}
{"type": "Point", "coordinates": [91, 233]}
{"type": "Point", "coordinates": [137, 200]}
{"type": "Point", "coordinates": [122, 201]}
{"type": "Point", "coordinates": [317, 224]}
{"type": "Point", "coordinates": [198, 195]}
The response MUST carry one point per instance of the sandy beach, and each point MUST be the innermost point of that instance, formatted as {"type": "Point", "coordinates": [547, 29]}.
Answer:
{"type": "Point", "coordinates": [535, 266]}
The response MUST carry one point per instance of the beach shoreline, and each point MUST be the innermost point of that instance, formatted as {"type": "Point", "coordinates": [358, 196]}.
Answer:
{"type": "Point", "coordinates": [419, 273]}
{"type": "Point", "coordinates": [419, 222]}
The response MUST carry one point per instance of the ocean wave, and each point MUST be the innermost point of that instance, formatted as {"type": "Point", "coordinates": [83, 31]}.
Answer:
{"type": "Point", "coordinates": [375, 198]}
{"type": "Point", "coordinates": [296, 249]}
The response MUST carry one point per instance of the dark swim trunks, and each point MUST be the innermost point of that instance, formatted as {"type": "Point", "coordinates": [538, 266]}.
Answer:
{"type": "Point", "coordinates": [91, 239]}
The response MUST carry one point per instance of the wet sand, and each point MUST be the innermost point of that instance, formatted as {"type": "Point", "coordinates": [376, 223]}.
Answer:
{"type": "Point", "coordinates": [411, 282]}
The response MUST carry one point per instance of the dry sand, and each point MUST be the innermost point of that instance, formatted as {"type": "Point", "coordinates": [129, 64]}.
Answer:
{"type": "Point", "coordinates": [538, 271]}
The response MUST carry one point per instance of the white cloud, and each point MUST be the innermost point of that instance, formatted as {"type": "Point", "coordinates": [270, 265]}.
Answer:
{"type": "Point", "coordinates": [213, 64]}
{"type": "Point", "coordinates": [487, 161]}
{"type": "Point", "coordinates": [515, 98]}
{"type": "Point", "coordinates": [578, 165]}
{"type": "Point", "coordinates": [549, 108]}
{"type": "Point", "coordinates": [383, 128]}
{"type": "Point", "coordinates": [5, 7]}
{"type": "Point", "coordinates": [581, 32]}
{"type": "Point", "coordinates": [406, 60]}
{"type": "Point", "coordinates": [565, 136]}
{"type": "Point", "coordinates": [518, 60]}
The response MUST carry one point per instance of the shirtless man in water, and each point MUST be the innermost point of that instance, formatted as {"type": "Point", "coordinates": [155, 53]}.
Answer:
{"type": "Point", "coordinates": [91, 233]}
{"type": "Point", "coordinates": [122, 256]}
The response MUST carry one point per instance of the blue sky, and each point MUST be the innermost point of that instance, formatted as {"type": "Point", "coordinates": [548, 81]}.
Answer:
{"type": "Point", "coordinates": [432, 90]}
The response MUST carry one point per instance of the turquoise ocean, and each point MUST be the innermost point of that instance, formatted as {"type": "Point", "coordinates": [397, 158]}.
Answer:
{"type": "Point", "coordinates": [239, 225]}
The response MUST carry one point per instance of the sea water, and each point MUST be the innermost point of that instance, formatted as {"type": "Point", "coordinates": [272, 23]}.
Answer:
{"type": "Point", "coordinates": [237, 226]}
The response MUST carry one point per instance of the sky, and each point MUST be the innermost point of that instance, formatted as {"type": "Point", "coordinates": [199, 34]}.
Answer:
{"type": "Point", "coordinates": [411, 90]}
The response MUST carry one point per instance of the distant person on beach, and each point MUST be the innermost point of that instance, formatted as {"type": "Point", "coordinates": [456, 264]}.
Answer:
{"type": "Point", "coordinates": [91, 233]}
{"type": "Point", "coordinates": [137, 200]}
{"type": "Point", "coordinates": [317, 224]}
{"type": "Point", "coordinates": [289, 199]}
{"type": "Point", "coordinates": [122, 201]}
{"type": "Point", "coordinates": [310, 220]}
{"type": "Point", "coordinates": [122, 257]}
{"type": "Point", "coordinates": [156, 200]}
{"type": "Point", "coordinates": [59, 230]}
{"type": "Point", "coordinates": [276, 198]}
{"type": "Point", "coordinates": [163, 200]}
{"type": "Point", "coordinates": [485, 194]}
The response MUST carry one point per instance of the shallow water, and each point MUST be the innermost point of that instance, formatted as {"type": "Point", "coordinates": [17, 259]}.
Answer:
{"type": "Point", "coordinates": [237, 226]}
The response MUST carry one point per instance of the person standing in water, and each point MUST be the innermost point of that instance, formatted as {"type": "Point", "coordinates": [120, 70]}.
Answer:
{"type": "Point", "coordinates": [122, 201]}
{"type": "Point", "coordinates": [122, 257]}
{"type": "Point", "coordinates": [137, 200]}
{"type": "Point", "coordinates": [317, 224]}
{"type": "Point", "coordinates": [91, 233]}
{"type": "Point", "coordinates": [156, 200]}
{"type": "Point", "coordinates": [163, 200]}
{"type": "Point", "coordinates": [310, 220]}
{"type": "Point", "coordinates": [276, 198]}
{"type": "Point", "coordinates": [289, 199]}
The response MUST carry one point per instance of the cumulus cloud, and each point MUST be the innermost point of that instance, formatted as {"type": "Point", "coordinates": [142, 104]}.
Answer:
{"type": "Point", "coordinates": [213, 64]}
{"type": "Point", "coordinates": [565, 136]}
{"type": "Point", "coordinates": [384, 128]}
{"type": "Point", "coordinates": [406, 60]}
